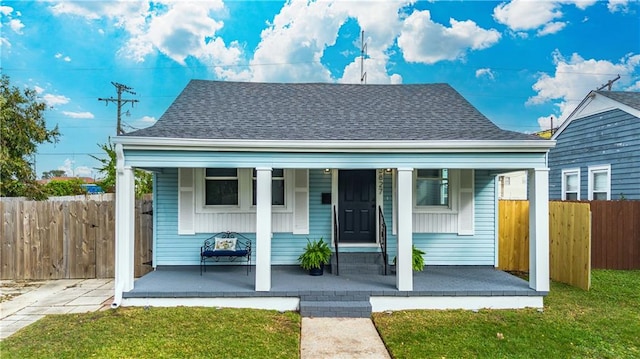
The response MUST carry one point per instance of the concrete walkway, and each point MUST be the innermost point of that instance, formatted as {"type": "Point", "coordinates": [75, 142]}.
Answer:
{"type": "Point", "coordinates": [320, 337]}
{"type": "Point", "coordinates": [53, 297]}
{"type": "Point", "coordinates": [341, 338]}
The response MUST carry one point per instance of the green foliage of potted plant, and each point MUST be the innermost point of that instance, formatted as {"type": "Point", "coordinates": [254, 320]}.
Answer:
{"type": "Point", "coordinates": [316, 254]}
{"type": "Point", "coordinates": [417, 259]}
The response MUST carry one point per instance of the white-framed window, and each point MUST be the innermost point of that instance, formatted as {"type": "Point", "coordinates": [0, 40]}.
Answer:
{"type": "Point", "coordinates": [221, 187]}
{"type": "Point", "coordinates": [571, 184]}
{"type": "Point", "coordinates": [432, 188]}
{"type": "Point", "coordinates": [232, 190]}
{"type": "Point", "coordinates": [599, 182]}
{"type": "Point", "coordinates": [278, 197]}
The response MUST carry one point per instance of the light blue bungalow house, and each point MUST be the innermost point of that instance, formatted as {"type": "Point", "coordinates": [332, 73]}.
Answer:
{"type": "Point", "coordinates": [280, 163]}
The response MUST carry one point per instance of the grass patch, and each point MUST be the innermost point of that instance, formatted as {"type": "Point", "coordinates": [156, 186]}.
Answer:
{"type": "Point", "coordinates": [601, 323]}
{"type": "Point", "coordinates": [182, 332]}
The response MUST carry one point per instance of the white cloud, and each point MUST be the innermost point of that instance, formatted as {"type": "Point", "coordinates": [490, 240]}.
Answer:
{"type": "Point", "coordinates": [83, 115]}
{"type": "Point", "coordinates": [176, 29]}
{"type": "Point", "coordinates": [292, 46]}
{"type": "Point", "coordinates": [526, 15]}
{"type": "Point", "coordinates": [79, 171]}
{"type": "Point", "coordinates": [486, 72]}
{"type": "Point", "coordinates": [53, 100]}
{"type": "Point", "coordinates": [618, 6]}
{"type": "Point", "coordinates": [575, 77]}
{"type": "Point", "coordinates": [422, 40]}
{"type": "Point", "coordinates": [551, 28]}
{"type": "Point", "coordinates": [16, 25]}
{"type": "Point", "coordinates": [5, 10]}
{"type": "Point", "coordinates": [148, 119]}
{"type": "Point", "coordinates": [61, 56]}
{"type": "Point", "coordinates": [39, 90]}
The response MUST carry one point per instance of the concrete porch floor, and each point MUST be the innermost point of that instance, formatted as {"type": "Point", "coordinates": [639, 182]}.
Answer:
{"type": "Point", "coordinates": [186, 281]}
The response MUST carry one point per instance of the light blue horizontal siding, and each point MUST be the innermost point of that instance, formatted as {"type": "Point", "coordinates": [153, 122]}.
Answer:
{"type": "Point", "coordinates": [450, 248]}
{"type": "Point", "coordinates": [174, 249]}
{"type": "Point", "coordinates": [611, 137]}
{"type": "Point", "coordinates": [447, 249]}
{"type": "Point", "coordinates": [487, 160]}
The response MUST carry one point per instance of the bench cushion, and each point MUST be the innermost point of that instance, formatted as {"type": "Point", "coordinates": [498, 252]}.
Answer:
{"type": "Point", "coordinates": [222, 253]}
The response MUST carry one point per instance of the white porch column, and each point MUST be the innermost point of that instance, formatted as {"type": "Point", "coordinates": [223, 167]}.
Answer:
{"type": "Point", "coordinates": [404, 272]}
{"type": "Point", "coordinates": [125, 226]}
{"type": "Point", "coordinates": [539, 229]}
{"type": "Point", "coordinates": [263, 229]}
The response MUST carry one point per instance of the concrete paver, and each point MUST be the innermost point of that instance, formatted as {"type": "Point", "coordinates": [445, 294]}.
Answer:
{"type": "Point", "coordinates": [341, 338]}
{"type": "Point", "coordinates": [61, 296]}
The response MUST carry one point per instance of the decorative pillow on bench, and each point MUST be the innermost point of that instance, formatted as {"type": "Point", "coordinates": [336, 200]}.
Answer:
{"type": "Point", "coordinates": [225, 244]}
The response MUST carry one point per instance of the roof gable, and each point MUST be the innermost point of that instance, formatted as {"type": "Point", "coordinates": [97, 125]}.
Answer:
{"type": "Point", "coordinates": [320, 111]}
{"type": "Point", "coordinates": [601, 101]}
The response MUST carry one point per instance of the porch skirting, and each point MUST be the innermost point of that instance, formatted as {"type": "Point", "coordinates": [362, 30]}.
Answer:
{"type": "Point", "coordinates": [438, 287]}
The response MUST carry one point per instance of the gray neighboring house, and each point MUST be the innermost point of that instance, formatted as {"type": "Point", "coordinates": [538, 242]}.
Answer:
{"type": "Point", "coordinates": [597, 153]}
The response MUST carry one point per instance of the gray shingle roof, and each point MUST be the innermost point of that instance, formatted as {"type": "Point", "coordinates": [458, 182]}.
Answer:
{"type": "Point", "coordinates": [320, 111]}
{"type": "Point", "coordinates": [631, 99]}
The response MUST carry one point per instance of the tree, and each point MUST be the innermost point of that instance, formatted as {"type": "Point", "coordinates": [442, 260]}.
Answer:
{"type": "Point", "coordinates": [22, 128]}
{"type": "Point", "coordinates": [53, 174]}
{"type": "Point", "coordinates": [69, 187]}
{"type": "Point", "coordinates": [143, 179]}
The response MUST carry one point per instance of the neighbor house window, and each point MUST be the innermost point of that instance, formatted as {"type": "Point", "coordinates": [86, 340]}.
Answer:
{"type": "Point", "coordinates": [600, 183]}
{"type": "Point", "coordinates": [221, 186]}
{"type": "Point", "coordinates": [432, 187]}
{"type": "Point", "coordinates": [571, 185]}
{"type": "Point", "coordinates": [277, 187]}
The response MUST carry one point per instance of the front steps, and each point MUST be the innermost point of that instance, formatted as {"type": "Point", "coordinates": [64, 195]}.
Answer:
{"type": "Point", "coordinates": [335, 304]}
{"type": "Point", "coordinates": [343, 304]}
{"type": "Point", "coordinates": [359, 263]}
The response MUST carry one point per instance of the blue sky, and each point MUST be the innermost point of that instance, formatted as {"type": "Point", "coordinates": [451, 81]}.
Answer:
{"type": "Point", "coordinates": [519, 62]}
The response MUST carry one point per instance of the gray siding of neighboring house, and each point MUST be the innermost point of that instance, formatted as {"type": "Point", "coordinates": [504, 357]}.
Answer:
{"type": "Point", "coordinates": [607, 138]}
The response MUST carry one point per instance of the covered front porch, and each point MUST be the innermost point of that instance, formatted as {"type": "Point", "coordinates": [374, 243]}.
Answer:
{"type": "Point", "coordinates": [437, 287]}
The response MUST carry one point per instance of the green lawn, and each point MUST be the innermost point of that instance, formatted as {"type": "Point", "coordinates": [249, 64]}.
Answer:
{"type": "Point", "coordinates": [601, 323]}
{"type": "Point", "coordinates": [159, 333]}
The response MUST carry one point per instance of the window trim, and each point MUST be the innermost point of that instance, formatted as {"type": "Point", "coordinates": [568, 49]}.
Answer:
{"type": "Point", "coordinates": [596, 169]}
{"type": "Point", "coordinates": [245, 193]}
{"type": "Point", "coordinates": [222, 178]}
{"type": "Point", "coordinates": [454, 188]}
{"type": "Point", "coordinates": [563, 179]}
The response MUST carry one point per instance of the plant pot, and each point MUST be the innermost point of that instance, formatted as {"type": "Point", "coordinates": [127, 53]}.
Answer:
{"type": "Point", "coordinates": [317, 271]}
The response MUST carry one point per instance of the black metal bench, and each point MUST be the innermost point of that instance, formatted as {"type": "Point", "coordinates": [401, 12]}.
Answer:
{"type": "Point", "coordinates": [230, 245]}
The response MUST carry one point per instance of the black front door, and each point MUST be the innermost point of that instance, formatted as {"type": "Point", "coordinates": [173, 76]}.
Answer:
{"type": "Point", "coordinates": [357, 206]}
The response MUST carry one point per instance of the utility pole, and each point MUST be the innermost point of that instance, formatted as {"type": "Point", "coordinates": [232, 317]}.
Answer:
{"type": "Point", "coordinates": [608, 84]}
{"type": "Point", "coordinates": [120, 88]}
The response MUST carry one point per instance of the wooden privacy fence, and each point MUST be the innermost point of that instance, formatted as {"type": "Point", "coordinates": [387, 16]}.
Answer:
{"type": "Point", "coordinates": [569, 240]}
{"type": "Point", "coordinates": [67, 239]}
{"type": "Point", "coordinates": [615, 234]}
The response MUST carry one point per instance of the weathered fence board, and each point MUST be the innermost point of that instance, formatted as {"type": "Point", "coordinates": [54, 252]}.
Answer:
{"type": "Point", "coordinates": [67, 239]}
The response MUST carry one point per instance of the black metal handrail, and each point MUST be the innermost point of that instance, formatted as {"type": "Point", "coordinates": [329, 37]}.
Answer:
{"type": "Point", "coordinates": [336, 237]}
{"type": "Point", "coordinates": [383, 237]}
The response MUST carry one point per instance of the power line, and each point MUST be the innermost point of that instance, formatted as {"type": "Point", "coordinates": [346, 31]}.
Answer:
{"type": "Point", "coordinates": [120, 88]}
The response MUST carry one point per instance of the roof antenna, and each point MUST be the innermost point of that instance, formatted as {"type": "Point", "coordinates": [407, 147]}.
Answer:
{"type": "Point", "coordinates": [363, 53]}
{"type": "Point", "coordinates": [608, 84]}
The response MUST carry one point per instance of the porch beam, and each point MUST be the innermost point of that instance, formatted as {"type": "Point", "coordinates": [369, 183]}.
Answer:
{"type": "Point", "coordinates": [404, 272]}
{"type": "Point", "coordinates": [539, 229]}
{"type": "Point", "coordinates": [263, 229]}
{"type": "Point", "coordinates": [125, 225]}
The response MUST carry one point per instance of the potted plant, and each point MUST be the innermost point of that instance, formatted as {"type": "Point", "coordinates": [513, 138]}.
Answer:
{"type": "Point", "coordinates": [417, 261]}
{"type": "Point", "coordinates": [316, 254]}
